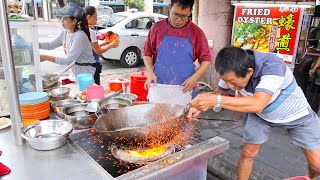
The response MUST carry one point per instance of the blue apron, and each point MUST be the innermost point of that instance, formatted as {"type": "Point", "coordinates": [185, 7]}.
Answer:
{"type": "Point", "coordinates": [174, 62]}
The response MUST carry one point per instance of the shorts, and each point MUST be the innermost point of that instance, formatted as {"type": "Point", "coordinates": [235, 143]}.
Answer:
{"type": "Point", "coordinates": [304, 132]}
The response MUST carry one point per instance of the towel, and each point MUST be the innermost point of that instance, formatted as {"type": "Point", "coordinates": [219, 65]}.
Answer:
{"type": "Point", "coordinates": [67, 81]}
{"type": "Point", "coordinates": [3, 168]}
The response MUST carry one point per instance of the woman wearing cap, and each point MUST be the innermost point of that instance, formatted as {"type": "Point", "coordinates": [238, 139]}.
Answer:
{"type": "Point", "coordinates": [75, 40]}
{"type": "Point", "coordinates": [98, 49]}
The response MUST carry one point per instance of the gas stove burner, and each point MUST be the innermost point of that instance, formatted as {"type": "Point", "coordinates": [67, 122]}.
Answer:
{"type": "Point", "coordinates": [126, 156]}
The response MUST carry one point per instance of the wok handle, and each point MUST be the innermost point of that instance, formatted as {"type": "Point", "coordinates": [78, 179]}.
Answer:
{"type": "Point", "coordinates": [111, 96]}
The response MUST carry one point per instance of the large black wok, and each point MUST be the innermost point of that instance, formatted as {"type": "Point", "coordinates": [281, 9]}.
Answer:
{"type": "Point", "coordinates": [142, 126]}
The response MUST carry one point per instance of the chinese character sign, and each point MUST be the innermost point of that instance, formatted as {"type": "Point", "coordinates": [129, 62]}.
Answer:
{"type": "Point", "coordinates": [267, 29]}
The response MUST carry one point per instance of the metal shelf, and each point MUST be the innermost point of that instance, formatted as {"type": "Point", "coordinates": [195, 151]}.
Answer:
{"type": "Point", "coordinates": [4, 113]}
{"type": "Point", "coordinates": [313, 54]}
{"type": "Point", "coordinates": [22, 66]}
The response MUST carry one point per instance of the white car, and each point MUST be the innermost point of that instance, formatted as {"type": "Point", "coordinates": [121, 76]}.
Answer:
{"type": "Point", "coordinates": [132, 28]}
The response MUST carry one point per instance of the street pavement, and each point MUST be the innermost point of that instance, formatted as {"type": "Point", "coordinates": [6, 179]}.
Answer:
{"type": "Point", "coordinates": [278, 159]}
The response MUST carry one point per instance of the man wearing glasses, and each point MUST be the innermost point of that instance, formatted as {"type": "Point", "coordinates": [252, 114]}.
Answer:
{"type": "Point", "coordinates": [171, 48]}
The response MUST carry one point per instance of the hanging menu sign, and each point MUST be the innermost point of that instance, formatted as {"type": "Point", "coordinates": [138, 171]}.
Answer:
{"type": "Point", "coordinates": [267, 29]}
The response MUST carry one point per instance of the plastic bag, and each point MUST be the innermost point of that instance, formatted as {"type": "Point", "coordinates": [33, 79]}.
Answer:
{"type": "Point", "coordinates": [171, 94]}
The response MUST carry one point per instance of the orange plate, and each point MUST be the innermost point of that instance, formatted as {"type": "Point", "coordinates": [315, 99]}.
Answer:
{"type": "Point", "coordinates": [26, 122]}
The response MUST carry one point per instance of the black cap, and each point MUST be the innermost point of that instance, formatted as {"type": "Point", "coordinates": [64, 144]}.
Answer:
{"type": "Point", "coordinates": [72, 10]}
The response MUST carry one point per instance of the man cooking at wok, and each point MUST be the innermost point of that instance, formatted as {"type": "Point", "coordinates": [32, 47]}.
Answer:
{"type": "Point", "coordinates": [272, 98]}
{"type": "Point", "coordinates": [171, 48]}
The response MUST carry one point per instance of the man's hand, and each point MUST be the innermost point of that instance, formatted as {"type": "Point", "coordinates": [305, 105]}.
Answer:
{"type": "Point", "coordinates": [203, 102]}
{"type": "Point", "coordinates": [193, 112]}
{"type": "Point", "coordinates": [189, 83]}
{"type": "Point", "coordinates": [311, 72]}
{"type": "Point", "coordinates": [151, 77]}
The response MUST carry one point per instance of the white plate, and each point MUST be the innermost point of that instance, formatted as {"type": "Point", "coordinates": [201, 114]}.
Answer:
{"type": "Point", "coordinates": [7, 124]}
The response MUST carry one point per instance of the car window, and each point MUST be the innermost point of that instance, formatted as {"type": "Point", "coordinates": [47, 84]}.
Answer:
{"type": "Point", "coordinates": [141, 23]}
{"type": "Point", "coordinates": [114, 19]}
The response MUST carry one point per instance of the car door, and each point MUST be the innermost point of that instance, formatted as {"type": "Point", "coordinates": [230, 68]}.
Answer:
{"type": "Point", "coordinates": [137, 31]}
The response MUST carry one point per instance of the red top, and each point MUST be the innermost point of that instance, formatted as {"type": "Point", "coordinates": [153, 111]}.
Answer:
{"type": "Point", "coordinates": [200, 46]}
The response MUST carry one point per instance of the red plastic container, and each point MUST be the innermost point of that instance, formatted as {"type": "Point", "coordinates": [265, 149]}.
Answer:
{"type": "Point", "coordinates": [137, 81]}
{"type": "Point", "coordinates": [115, 84]}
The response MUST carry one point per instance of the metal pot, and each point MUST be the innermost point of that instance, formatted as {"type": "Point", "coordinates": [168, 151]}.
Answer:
{"type": "Point", "coordinates": [135, 127]}
{"type": "Point", "coordinates": [59, 105]}
{"type": "Point", "coordinates": [130, 96]}
{"type": "Point", "coordinates": [47, 135]}
{"type": "Point", "coordinates": [78, 116]}
{"type": "Point", "coordinates": [59, 93]}
{"type": "Point", "coordinates": [114, 103]}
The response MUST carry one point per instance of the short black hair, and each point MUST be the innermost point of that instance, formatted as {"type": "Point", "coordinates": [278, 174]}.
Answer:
{"type": "Point", "coordinates": [89, 10]}
{"type": "Point", "coordinates": [183, 3]}
{"type": "Point", "coordinates": [233, 59]}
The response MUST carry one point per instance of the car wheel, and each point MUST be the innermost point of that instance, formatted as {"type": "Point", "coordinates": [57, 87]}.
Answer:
{"type": "Point", "coordinates": [130, 57]}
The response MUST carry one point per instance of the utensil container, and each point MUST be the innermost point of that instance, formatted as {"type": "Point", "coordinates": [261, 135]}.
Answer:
{"type": "Point", "coordinates": [84, 80]}
{"type": "Point", "coordinates": [95, 92]}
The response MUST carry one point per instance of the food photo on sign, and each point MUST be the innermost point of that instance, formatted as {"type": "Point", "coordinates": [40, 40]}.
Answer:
{"type": "Point", "coordinates": [267, 29]}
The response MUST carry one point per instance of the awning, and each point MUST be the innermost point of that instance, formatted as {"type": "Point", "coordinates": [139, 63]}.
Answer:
{"type": "Point", "coordinates": [37, 1]}
{"type": "Point", "coordinates": [110, 3]}
{"type": "Point", "coordinates": [160, 4]}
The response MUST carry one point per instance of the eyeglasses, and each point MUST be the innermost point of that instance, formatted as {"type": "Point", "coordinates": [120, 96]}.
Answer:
{"type": "Point", "coordinates": [183, 17]}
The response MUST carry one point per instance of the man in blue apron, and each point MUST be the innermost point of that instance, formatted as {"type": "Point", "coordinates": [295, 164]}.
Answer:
{"type": "Point", "coordinates": [172, 47]}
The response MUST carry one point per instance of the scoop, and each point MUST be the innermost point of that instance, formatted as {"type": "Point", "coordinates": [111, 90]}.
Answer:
{"type": "Point", "coordinates": [93, 106]}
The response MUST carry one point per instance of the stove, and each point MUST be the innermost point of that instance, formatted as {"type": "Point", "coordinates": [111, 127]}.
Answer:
{"type": "Point", "coordinates": [188, 162]}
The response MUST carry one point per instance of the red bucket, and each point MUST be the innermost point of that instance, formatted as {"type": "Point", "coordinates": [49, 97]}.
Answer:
{"type": "Point", "coordinates": [115, 84]}
{"type": "Point", "coordinates": [137, 81]}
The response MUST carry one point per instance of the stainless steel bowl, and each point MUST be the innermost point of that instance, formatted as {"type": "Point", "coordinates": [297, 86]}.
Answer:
{"type": "Point", "coordinates": [114, 103]}
{"type": "Point", "coordinates": [47, 134]}
{"type": "Point", "coordinates": [130, 96]}
{"type": "Point", "coordinates": [78, 116]}
{"type": "Point", "coordinates": [59, 93]}
{"type": "Point", "coordinates": [59, 105]}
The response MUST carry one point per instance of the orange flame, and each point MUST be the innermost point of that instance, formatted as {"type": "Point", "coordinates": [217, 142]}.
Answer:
{"type": "Point", "coordinates": [149, 152]}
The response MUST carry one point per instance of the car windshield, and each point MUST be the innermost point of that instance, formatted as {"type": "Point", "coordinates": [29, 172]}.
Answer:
{"type": "Point", "coordinates": [114, 19]}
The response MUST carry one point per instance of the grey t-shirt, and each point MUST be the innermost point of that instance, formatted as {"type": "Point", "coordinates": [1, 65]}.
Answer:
{"type": "Point", "coordinates": [77, 48]}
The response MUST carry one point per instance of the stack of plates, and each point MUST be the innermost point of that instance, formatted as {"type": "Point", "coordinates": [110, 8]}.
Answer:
{"type": "Point", "coordinates": [34, 105]}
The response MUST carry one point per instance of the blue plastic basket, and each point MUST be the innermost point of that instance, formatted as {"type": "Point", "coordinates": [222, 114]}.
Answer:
{"type": "Point", "coordinates": [84, 80]}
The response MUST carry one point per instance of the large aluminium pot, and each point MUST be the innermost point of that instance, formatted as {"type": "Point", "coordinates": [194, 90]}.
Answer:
{"type": "Point", "coordinates": [142, 126]}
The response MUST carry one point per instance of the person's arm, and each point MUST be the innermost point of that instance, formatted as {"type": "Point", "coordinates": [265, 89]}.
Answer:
{"type": "Point", "coordinates": [148, 58]}
{"type": "Point", "coordinates": [148, 63]}
{"type": "Point", "coordinates": [315, 67]}
{"type": "Point", "coordinates": [98, 49]}
{"type": "Point", "coordinates": [56, 42]}
{"type": "Point", "coordinates": [250, 104]}
{"type": "Point", "coordinates": [77, 47]}
{"type": "Point", "coordinates": [44, 57]}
